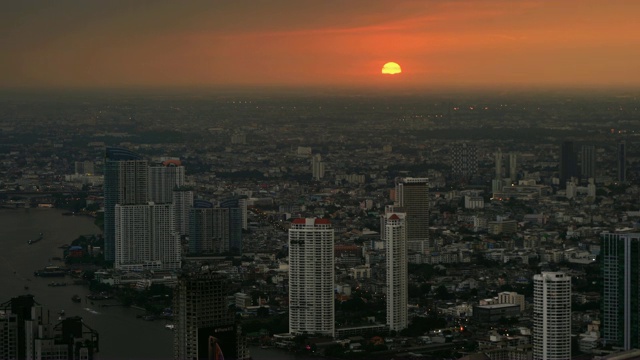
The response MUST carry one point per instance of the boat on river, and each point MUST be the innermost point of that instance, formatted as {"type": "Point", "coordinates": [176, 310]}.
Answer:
{"type": "Point", "coordinates": [36, 239]}
{"type": "Point", "coordinates": [76, 298]}
{"type": "Point", "coordinates": [51, 271]}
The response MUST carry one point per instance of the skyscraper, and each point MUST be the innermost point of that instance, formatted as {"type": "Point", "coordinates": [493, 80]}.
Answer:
{"type": "Point", "coordinates": [498, 165]}
{"type": "Point", "coordinates": [620, 256]}
{"type": "Point", "coordinates": [182, 203]}
{"type": "Point", "coordinates": [568, 163]}
{"type": "Point", "coordinates": [622, 161]}
{"type": "Point", "coordinates": [125, 183]}
{"type": "Point", "coordinates": [394, 233]}
{"type": "Point", "coordinates": [203, 319]}
{"type": "Point", "coordinates": [311, 277]}
{"type": "Point", "coordinates": [163, 179]}
{"type": "Point", "coordinates": [208, 228]}
{"type": "Point", "coordinates": [588, 161]}
{"type": "Point", "coordinates": [317, 167]}
{"type": "Point", "coordinates": [464, 160]}
{"type": "Point", "coordinates": [145, 237]}
{"type": "Point", "coordinates": [412, 195]}
{"type": "Point", "coordinates": [236, 219]}
{"type": "Point", "coordinates": [513, 166]}
{"type": "Point", "coordinates": [551, 316]}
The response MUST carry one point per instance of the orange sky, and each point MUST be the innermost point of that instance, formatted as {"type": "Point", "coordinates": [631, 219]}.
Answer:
{"type": "Point", "coordinates": [457, 43]}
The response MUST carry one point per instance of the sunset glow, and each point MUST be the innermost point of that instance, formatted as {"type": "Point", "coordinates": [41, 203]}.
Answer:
{"type": "Point", "coordinates": [391, 68]}
{"type": "Point", "coordinates": [211, 43]}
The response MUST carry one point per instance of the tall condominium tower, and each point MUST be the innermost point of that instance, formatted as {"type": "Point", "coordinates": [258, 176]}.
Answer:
{"type": "Point", "coordinates": [551, 316]}
{"type": "Point", "coordinates": [620, 255]}
{"type": "Point", "coordinates": [622, 162]}
{"type": "Point", "coordinates": [568, 163]}
{"type": "Point", "coordinates": [317, 167]}
{"type": "Point", "coordinates": [513, 166]}
{"type": "Point", "coordinates": [208, 228]}
{"type": "Point", "coordinates": [237, 214]}
{"type": "Point", "coordinates": [146, 238]}
{"type": "Point", "coordinates": [588, 161]}
{"type": "Point", "coordinates": [204, 324]}
{"type": "Point", "coordinates": [498, 165]}
{"type": "Point", "coordinates": [464, 160]}
{"type": "Point", "coordinates": [394, 233]}
{"type": "Point", "coordinates": [182, 204]}
{"type": "Point", "coordinates": [125, 183]}
{"type": "Point", "coordinates": [163, 179]}
{"type": "Point", "coordinates": [311, 277]}
{"type": "Point", "coordinates": [412, 195]}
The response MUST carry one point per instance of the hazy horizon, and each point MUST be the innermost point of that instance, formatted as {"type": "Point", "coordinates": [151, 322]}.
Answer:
{"type": "Point", "coordinates": [456, 44]}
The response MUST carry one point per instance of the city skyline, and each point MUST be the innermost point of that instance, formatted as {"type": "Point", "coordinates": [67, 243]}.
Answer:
{"type": "Point", "coordinates": [458, 44]}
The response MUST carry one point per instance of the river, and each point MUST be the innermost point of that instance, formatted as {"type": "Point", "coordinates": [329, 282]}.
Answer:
{"type": "Point", "coordinates": [122, 335]}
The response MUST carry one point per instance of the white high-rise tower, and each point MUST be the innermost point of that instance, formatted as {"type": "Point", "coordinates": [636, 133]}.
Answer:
{"type": "Point", "coordinates": [551, 316]}
{"type": "Point", "coordinates": [311, 277]}
{"type": "Point", "coordinates": [317, 167]}
{"type": "Point", "coordinates": [394, 232]}
{"type": "Point", "coordinates": [145, 237]}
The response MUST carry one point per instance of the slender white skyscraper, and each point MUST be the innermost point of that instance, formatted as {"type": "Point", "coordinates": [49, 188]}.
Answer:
{"type": "Point", "coordinates": [394, 233]}
{"type": "Point", "coordinates": [551, 316]}
{"type": "Point", "coordinates": [311, 277]}
{"type": "Point", "coordinates": [145, 237]}
{"type": "Point", "coordinates": [317, 167]}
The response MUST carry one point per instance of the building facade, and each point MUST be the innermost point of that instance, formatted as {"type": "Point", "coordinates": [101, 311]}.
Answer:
{"type": "Point", "coordinates": [551, 316]}
{"type": "Point", "coordinates": [125, 183]}
{"type": "Point", "coordinates": [145, 237]}
{"type": "Point", "coordinates": [620, 256]}
{"type": "Point", "coordinates": [394, 233]}
{"type": "Point", "coordinates": [311, 277]}
{"type": "Point", "coordinates": [163, 179]}
{"type": "Point", "coordinates": [412, 195]}
{"type": "Point", "coordinates": [203, 320]}
{"type": "Point", "coordinates": [208, 229]}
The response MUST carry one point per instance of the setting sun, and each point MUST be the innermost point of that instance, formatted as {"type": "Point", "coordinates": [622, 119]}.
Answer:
{"type": "Point", "coordinates": [391, 68]}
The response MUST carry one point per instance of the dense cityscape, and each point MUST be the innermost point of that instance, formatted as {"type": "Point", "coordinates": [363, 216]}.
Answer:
{"type": "Point", "coordinates": [344, 225]}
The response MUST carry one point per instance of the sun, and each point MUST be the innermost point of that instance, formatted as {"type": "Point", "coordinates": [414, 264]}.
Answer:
{"type": "Point", "coordinates": [391, 68]}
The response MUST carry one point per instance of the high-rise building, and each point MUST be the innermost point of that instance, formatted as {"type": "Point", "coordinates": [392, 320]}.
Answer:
{"type": "Point", "coordinates": [622, 162]}
{"type": "Point", "coordinates": [620, 256]}
{"type": "Point", "coordinates": [84, 168]}
{"type": "Point", "coordinates": [551, 316]}
{"type": "Point", "coordinates": [236, 218]}
{"type": "Point", "coordinates": [203, 322]}
{"type": "Point", "coordinates": [125, 183]}
{"type": "Point", "coordinates": [498, 165]}
{"type": "Point", "coordinates": [394, 234]}
{"type": "Point", "coordinates": [464, 160]}
{"type": "Point", "coordinates": [568, 163]}
{"type": "Point", "coordinates": [311, 277]}
{"type": "Point", "coordinates": [588, 161]}
{"type": "Point", "coordinates": [163, 179]}
{"type": "Point", "coordinates": [145, 237]}
{"type": "Point", "coordinates": [317, 167]}
{"type": "Point", "coordinates": [513, 166]}
{"type": "Point", "coordinates": [182, 204]}
{"type": "Point", "coordinates": [412, 195]}
{"type": "Point", "coordinates": [28, 331]}
{"type": "Point", "coordinates": [208, 228]}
